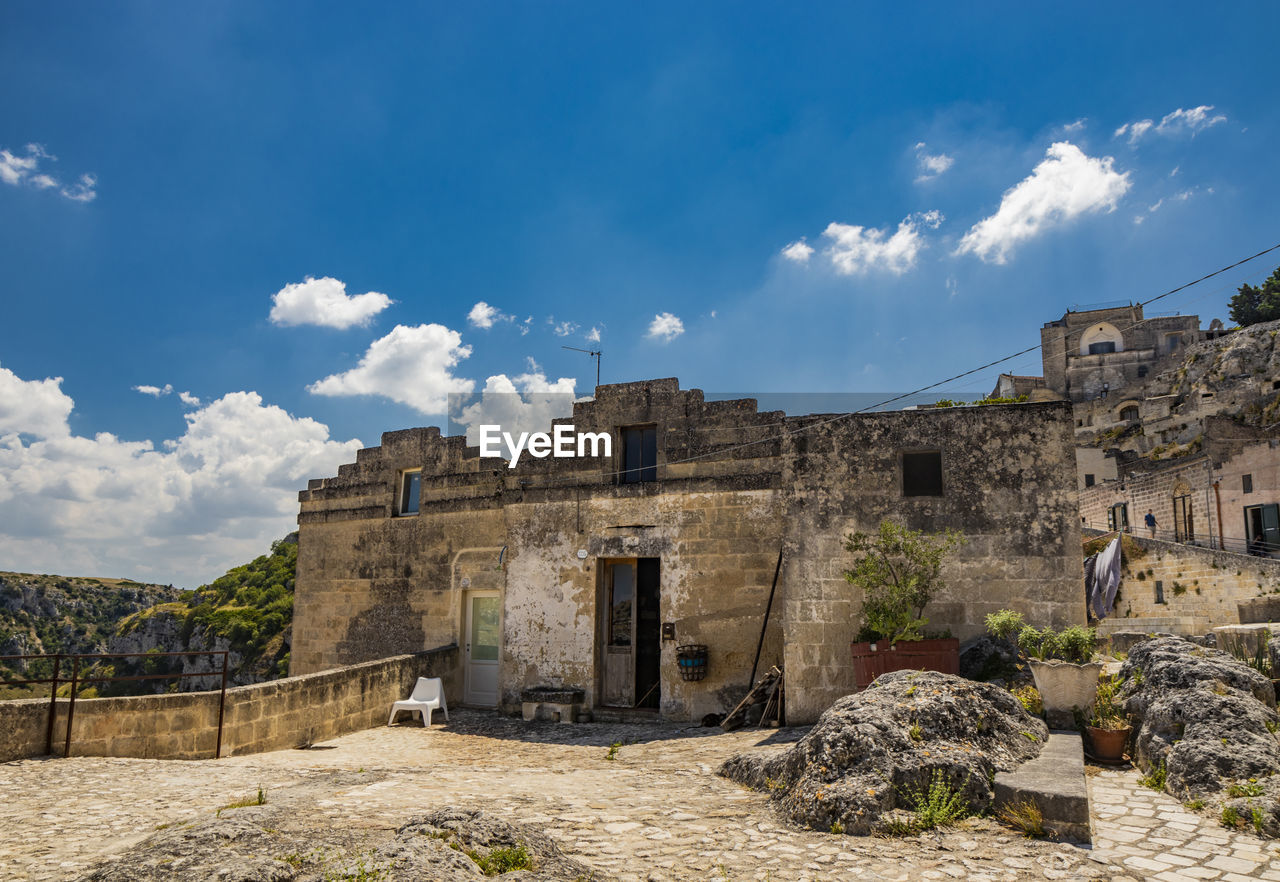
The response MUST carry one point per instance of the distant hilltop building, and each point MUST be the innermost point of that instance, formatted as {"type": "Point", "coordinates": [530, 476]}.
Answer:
{"type": "Point", "coordinates": [1171, 420]}
{"type": "Point", "coordinates": [1099, 354]}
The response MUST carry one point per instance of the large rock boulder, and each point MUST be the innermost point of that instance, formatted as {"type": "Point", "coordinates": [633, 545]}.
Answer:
{"type": "Point", "coordinates": [449, 845]}
{"type": "Point", "coordinates": [872, 749]}
{"type": "Point", "coordinates": [1202, 715]}
{"type": "Point", "coordinates": [229, 849]}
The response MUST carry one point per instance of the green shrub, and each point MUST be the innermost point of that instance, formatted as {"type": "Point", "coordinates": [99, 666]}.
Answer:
{"type": "Point", "coordinates": [899, 571]}
{"type": "Point", "coordinates": [941, 805]}
{"type": "Point", "coordinates": [1005, 624]}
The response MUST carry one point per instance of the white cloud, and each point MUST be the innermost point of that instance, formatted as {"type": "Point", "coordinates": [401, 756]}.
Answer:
{"type": "Point", "coordinates": [182, 512]}
{"type": "Point", "coordinates": [799, 251]}
{"type": "Point", "coordinates": [1065, 184]}
{"type": "Point", "coordinates": [155, 391]}
{"type": "Point", "coordinates": [593, 336]}
{"type": "Point", "coordinates": [1135, 130]}
{"type": "Point", "coordinates": [665, 327]}
{"type": "Point", "coordinates": [1156, 206]}
{"type": "Point", "coordinates": [953, 287]}
{"type": "Point", "coordinates": [1195, 120]}
{"type": "Point", "coordinates": [188, 399]}
{"type": "Point", "coordinates": [1077, 126]}
{"type": "Point", "coordinates": [82, 190]}
{"type": "Point", "coordinates": [856, 249]}
{"type": "Point", "coordinates": [484, 316]}
{"type": "Point", "coordinates": [524, 326]}
{"type": "Point", "coordinates": [324, 302]}
{"type": "Point", "coordinates": [16, 170]}
{"type": "Point", "coordinates": [931, 166]}
{"type": "Point", "coordinates": [527, 402]}
{"type": "Point", "coordinates": [563, 329]}
{"type": "Point", "coordinates": [33, 407]}
{"type": "Point", "coordinates": [411, 365]}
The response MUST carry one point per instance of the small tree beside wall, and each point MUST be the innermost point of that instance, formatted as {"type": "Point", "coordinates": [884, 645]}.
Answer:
{"type": "Point", "coordinates": [899, 572]}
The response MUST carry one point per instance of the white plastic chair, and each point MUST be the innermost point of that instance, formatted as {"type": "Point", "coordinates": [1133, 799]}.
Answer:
{"type": "Point", "coordinates": [427, 696]}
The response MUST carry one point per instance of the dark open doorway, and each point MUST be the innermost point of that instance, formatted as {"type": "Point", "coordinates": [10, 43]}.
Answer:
{"type": "Point", "coordinates": [630, 633]}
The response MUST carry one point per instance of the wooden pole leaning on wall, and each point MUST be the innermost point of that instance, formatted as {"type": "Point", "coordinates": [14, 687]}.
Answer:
{"type": "Point", "coordinates": [768, 609]}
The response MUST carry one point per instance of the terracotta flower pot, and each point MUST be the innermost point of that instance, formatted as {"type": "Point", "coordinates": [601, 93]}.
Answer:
{"type": "Point", "coordinates": [1108, 744]}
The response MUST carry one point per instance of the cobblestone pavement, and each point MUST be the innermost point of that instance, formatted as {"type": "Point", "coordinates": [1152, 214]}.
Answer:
{"type": "Point", "coordinates": [1152, 836]}
{"type": "Point", "coordinates": [654, 812]}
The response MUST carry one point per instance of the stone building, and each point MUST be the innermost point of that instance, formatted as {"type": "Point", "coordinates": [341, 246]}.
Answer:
{"type": "Point", "coordinates": [1224, 494]}
{"type": "Point", "coordinates": [588, 572]}
{"type": "Point", "coordinates": [1105, 353]}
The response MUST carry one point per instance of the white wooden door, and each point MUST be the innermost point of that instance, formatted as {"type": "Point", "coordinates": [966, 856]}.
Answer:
{"type": "Point", "coordinates": [482, 643]}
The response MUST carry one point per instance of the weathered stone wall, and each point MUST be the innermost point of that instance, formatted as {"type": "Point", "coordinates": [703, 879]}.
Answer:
{"type": "Point", "coordinates": [1008, 486]}
{"type": "Point", "coordinates": [265, 716]}
{"type": "Point", "coordinates": [1201, 587]}
{"type": "Point", "coordinates": [1152, 488]}
{"type": "Point", "coordinates": [731, 483]}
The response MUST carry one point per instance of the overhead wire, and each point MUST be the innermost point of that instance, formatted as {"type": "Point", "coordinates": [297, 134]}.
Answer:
{"type": "Point", "coordinates": [1255, 275]}
{"type": "Point", "coordinates": [527, 480]}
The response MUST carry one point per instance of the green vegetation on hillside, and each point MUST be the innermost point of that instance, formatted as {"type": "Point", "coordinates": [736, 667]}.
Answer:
{"type": "Point", "coordinates": [247, 611]}
{"type": "Point", "coordinates": [48, 614]}
{"type": "Point", "coordinates": [1251, 305]}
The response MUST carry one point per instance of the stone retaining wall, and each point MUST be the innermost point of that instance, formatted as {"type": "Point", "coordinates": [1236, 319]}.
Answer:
{"type": "Point", "coordinates": [265, 716]}
{"type": "Point", "coordinates": [1201, 584]}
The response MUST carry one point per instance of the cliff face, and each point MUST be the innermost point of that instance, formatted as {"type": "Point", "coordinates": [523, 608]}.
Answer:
{"type": "Point", "coordinates": [44, 614]}
{"type": "Point", "coordinates": [1235, 377]}
{"type": "Point", "coordinates": [247, 612]}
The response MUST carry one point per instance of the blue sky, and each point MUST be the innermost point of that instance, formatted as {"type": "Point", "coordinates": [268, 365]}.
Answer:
{"type": "Point", "coordinates": [749, 197]}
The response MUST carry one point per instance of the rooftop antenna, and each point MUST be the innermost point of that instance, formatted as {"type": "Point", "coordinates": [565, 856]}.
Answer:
{"type": "Point", "coordinates": [594, 353]}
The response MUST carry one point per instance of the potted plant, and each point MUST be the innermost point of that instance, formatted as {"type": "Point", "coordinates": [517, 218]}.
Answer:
{"type": "Point", "coordinates": [1065, 677]}
{"type": "Point", "coordinates": [1108, 729]}
{"type": "Point", "coordinates": [899, 572]}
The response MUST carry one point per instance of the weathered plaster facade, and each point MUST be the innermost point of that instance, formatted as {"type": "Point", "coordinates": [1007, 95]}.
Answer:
{"type": "Point", "coordinates": [733, 487]}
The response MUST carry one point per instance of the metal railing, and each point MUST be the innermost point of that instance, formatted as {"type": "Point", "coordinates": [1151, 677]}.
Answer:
{"type": "Point", "coordinates": [76, 681]}
{"type": "Point", "coordinates": [1258, 547]}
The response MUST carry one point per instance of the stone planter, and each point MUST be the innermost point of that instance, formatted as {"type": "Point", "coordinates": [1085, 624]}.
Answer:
{"type": "Point", "coordinates": [870, 660]}
{"type": "Point", "coordinates": [1064, 686]}
{"type": "Point", "coordinates": [1108, 744]}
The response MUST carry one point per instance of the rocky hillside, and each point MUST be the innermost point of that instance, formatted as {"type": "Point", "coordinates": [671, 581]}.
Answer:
{"type": "Point", "coordinates": [51, 614]}
{"type": "Point", "coordinates": [1235, 377]}
{"type": "Point", "coordinates": [246, 612]}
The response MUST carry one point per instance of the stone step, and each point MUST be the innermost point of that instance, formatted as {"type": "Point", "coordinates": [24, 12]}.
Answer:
{"type": "Point", "coordinates": [1054, 781]}
{"type": "Point", "coordinates": [1181, 625]}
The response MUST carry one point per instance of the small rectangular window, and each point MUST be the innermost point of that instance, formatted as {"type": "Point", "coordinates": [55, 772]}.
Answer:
{"type": "Point", "coordinates": [1247, 481]}
{"type": "Point", "coordinates": [639, 454]}
{"type": "Point", "coordinates": [1142, 370]}
{"type": "Point", "coordinates": [922, 473]}
{"type": "Point", "coordinates": [410, 488]}
{"type": "Point", "coordinates": [1159, 591]}
{"type": "Point", "coordinates": [1102, 348]}
{"type": "Point", "coordinates": [1088, 480]}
